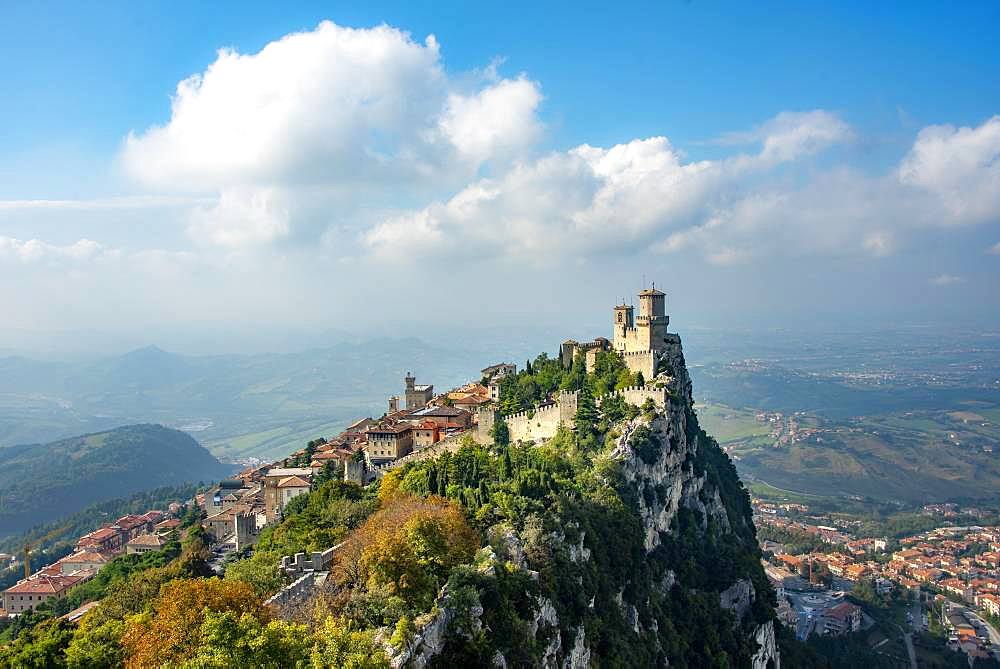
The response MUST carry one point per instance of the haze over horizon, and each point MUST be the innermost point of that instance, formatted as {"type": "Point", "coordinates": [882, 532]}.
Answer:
{"type": "Point", "coordinates": [386, 171]}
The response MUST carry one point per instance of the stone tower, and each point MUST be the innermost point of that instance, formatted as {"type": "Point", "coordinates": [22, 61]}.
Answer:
{"type": "Point", "coordinates": [417, 396]}
{"type": "Point", "coordinates": [651, 305]}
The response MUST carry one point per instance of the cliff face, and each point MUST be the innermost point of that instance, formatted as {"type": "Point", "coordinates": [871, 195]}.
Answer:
{"type": "Point", "coordinates": [667, 573]}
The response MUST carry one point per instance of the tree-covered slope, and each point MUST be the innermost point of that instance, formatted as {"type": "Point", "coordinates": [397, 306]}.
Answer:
{"type": "Point", "coordinates": [40, 482]}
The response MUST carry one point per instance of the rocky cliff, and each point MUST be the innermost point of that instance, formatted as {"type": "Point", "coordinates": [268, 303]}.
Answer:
{"type": "Point", "coordinates": [649, 558]}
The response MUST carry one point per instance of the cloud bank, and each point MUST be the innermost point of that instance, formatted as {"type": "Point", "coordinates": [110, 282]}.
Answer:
{"type": "Point", "coordinates": [355, 153]}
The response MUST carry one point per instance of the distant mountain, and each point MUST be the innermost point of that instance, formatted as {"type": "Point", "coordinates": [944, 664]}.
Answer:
{"type": "Point", "coordinates": [40, 482]}
{"type": "Point", "coordinates": [221, 398]}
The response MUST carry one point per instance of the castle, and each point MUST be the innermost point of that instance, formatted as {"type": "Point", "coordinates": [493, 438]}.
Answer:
{"type": "Point", "coordinates": [640, 341]}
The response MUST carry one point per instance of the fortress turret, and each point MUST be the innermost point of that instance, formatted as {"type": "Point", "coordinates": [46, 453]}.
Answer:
{"type": "Point", "coordinates": [652, 304]}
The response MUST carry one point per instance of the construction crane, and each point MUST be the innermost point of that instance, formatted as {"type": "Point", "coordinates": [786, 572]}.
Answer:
{"type": "Point", "coordinates": [38, 542]}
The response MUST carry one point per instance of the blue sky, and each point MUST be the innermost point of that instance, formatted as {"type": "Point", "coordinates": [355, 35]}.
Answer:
{"type": "Point", "coordinates": [851, 197]}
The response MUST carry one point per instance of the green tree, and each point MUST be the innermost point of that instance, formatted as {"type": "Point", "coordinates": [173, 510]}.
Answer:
{"type": "Point", "coordinates": [96, 645]}
{"type": "Point", "coordinates": [232, 640]}
{"type": "Point", "coordinates": [337, 646]}
{"type": "Point", "coordinates": [585, 421]}
{"type": "Point", "coordinates": [43, 645]}
{"type": "Point", "coordinates": [500, 432]}
{"type": "Point", "coordinates": [260, 571]}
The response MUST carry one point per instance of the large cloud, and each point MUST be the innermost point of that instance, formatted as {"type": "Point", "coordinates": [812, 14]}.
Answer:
{"type": "Point", "coordinates": [340, 113]}
{"type": "Point", "coordinates": [645, 195]}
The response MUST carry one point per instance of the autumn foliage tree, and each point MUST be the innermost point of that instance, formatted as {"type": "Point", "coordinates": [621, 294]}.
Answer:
{"type": "Point", "coordinates": [407, 548]}
{"type": "Point", "coordinates": [171, 633]}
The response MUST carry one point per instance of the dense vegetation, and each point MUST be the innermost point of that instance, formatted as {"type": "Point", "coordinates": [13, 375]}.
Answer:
{"type": "Point", "coordinates": [42, 482]}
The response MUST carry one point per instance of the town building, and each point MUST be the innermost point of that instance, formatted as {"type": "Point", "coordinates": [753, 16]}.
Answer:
{"type": "Point", "coordinates": [389, 442]}
{"type": "Point", "coordinates": [102, 540]}
{"type": "Point", "coordinates": [27, 594]}
{"type": "Point", "coordinates": [83, 560]}
{"type": "Point", "coordinates": [417, 396]}
{"type": "Point", "coordinates": [444, 416]}
{"type": "Point", "coordinates": [275, 497]}
{"type": "Point", "coordinates": [841, 619]}
{"type": "Point", "coordinates": [144, 543]}
{"type": "Point", "coordinates": [497, 372]}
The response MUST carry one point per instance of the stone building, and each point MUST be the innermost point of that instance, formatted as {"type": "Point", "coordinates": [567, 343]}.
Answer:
{"type": "Point", "coordinates": [27, 594]}
{"type": "Point", "coordinates": [275, 496]}
{"type": "Point", "coordinates": [648, 332]}
{"type": "Point", "coordinates": [417, 396]}
{"type": "Point", "coordinates": [389, 442]}
{"type": "Point", "coordinates": [641, 340]}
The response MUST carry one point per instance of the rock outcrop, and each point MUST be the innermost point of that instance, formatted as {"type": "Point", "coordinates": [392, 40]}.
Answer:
{"type": "Point", "coordinates": [640, 580]}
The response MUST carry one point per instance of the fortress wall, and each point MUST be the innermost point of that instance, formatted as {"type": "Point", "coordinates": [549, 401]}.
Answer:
{"type": "Point", "coordinates": [638, 396]}
{"type": "Point", "coordinates": [640, 361]}
{"type": "Point", "coordinates": [535, 426]}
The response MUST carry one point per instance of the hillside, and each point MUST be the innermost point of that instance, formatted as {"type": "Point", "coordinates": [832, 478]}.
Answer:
{"type": "Point", "coordinates": [41, 482]}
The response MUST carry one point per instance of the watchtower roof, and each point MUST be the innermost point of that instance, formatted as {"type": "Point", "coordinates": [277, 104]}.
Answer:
{"type": "Point", "coordinates": [651, 291]}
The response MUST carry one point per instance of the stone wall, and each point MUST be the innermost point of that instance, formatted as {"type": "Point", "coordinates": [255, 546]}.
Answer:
{"type": "Point", "coordinates": [542, 423]}
{"type": "Point", "coordinates": [297, 591]}
{"type": "Point", "coordinates": [536, 425]}
{"type": "Point", "coordinates": [641, 361]}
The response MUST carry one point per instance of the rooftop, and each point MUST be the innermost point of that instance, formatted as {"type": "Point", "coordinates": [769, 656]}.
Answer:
{"type": "Point", "coordinates": [289, 471]}
{"type": "Point", "coordinates": [442, 412]}
{"type": "Point", "coordinates": [151, 540]}
{"type": "Point", "coordinates": [293, 482]}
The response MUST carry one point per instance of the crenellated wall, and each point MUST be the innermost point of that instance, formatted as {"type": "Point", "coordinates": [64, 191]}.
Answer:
{"type": "Point", "coordinates": [544, 421]}
{"type": "Point", "coordinates": [640, 361]}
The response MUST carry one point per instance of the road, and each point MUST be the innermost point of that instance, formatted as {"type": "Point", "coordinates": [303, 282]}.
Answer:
{"type": "Point", "coordinates": [916, 623]}
{"type": "Point", "coordinates": [972, 615]}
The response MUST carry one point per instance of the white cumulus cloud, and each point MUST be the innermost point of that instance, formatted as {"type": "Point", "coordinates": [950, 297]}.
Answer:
{"type": "Point", "coordinates": [961, 167]}
{"type": "Point", "coordinates": [338, 116]}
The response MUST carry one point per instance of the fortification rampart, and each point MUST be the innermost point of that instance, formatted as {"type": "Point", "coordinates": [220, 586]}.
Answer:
{"type": "Point", "coordinates": [640, 362]}
{"type": "Point", "coordinates": [544, 421]}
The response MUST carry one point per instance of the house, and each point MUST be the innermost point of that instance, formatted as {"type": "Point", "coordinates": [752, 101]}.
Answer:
{"type": "Point", "coordinates": [103, 540]}
{"type": "Point", "coordinates": [854, 572]}
{"type": "Point", "coordinates": [989, 603]}
{"type": "Point", "coordinates": [145, 543]}
{"type": "Point", "coordinates": [83, 560]}
{"type": "Point", "coordinates": [167, 526]}
{"type": "Point", "coordinates": [132, 526]}
{"type": "Point", "coordinates": [291, 487]}
{"type": "Point", "coordinates": [223, 496]}
{"type": "Point", "coordinates": [273, 497]}
{"type": "Point", "coordinates": [27, 594]}
{"type": "Point", "coordinates": [79, 612]}
{"type": "Point", "coordinates": [389, 442]}
{"type": "Point", "coordinates": [425, 434]}
{"type": "Point", "coordinates": [841, 619]}
{"type": "Point", "coordinates": [499, 371]}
